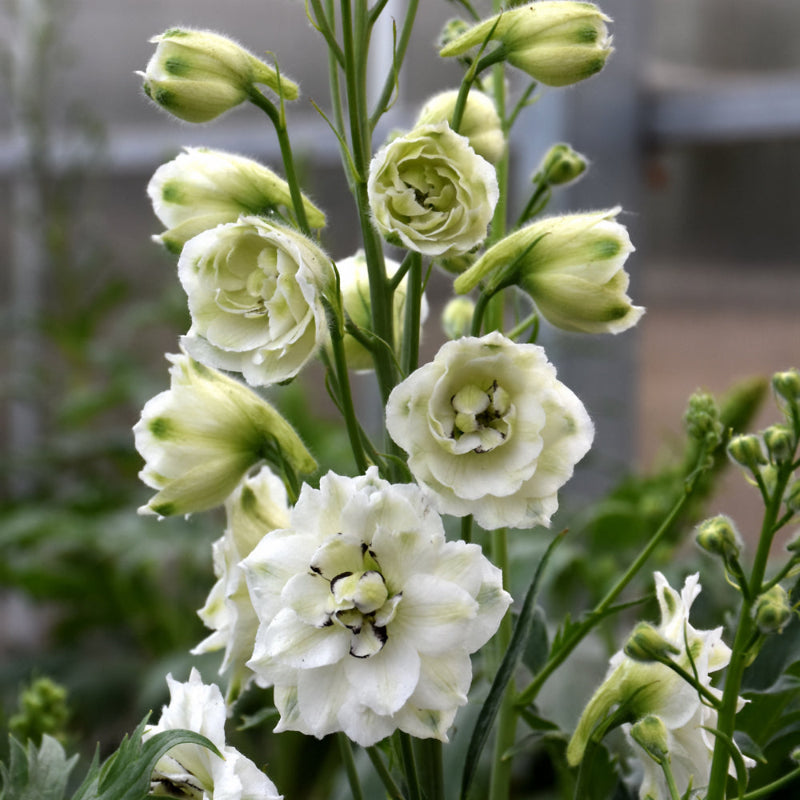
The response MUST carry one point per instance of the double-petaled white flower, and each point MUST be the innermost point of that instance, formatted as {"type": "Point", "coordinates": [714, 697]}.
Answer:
{"type": "Point", "coordinates": [490, 431]}
{"type": "Point", "coordinates": [194, 771]}
{"type": "Point", "coordinates": [198, 75]}
{"type": "Point", "coordinates": [255, 295]}
{"type": "Point", "coordinates": [368, 615]}
{"type": "Point", "coordinates": [203, 434]}
{"type": "Point", "coordinates": [202, 188]}
{"type": "Point", "coordinates": [257, 507]}
{"type": "Point", "coordinates": [431, 192]}
{"type": "Point", "coordinates": [651, 689]}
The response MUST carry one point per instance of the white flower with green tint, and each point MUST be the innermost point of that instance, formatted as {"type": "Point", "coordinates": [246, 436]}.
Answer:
{"type": "Point", "coordinates": [203, 434]}
{"type": "Point", "coordinates": [255, 296]}
{"type": "Point", "coordinates": [202, 188]}
{"type": "Point", "coordinates": [257, 506]}
{"type": "Point", "coordinates": [490, 431]}
{"type": "Point", "coordinates": [557, 42]}
{"type": "Point", "coordinates": [193, 771]}
{"type": "Point", "coordinates": [368, 615]}
{"type": "Point", "coordinates": [572, 266]}
{"type": "Point", "coordinates": [197, 75]}
{"type": "Point", "coordinates": [430, 192]}
{"type": "Point", "coordinates": [650, 688]}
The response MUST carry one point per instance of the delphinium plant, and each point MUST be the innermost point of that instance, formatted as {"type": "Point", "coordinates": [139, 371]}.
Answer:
{"type": "Point", "coordinates": [343, 602]}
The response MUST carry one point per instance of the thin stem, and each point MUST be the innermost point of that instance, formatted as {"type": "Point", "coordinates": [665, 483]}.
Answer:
{"type": "Point", "coordinates": [409, 765]}
{"type": "Point", "coordinates": [466, 528]}
{"type": "Point", "coordinates": [346, 752]}
{"type": "Point", "coordinates": [670, 779]}
{"type": "Point", "coordinates": [429, 752]}
{"type": "Point", "coordinates": [322, 22]}
{"type": "Point", "coordinates": [766, 791]}
{"type": "Point", "coordinates": [409, 354]}
{"type": "Point", "coordinates": [392, 789]}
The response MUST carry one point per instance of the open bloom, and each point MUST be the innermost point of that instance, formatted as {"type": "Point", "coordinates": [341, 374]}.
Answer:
{"type": "Point", "coordinates": [653, 689]}
{"type": "Point", "coordinates": [194, 771]}
{"type": "Point", "coordinates": [557, 42]}
{"type": "Point", "coordinates": [368, 615]}
{"type": "Point", "coordinates": [257, 507]}
{"type": "Point", "coordinates": [490, 431]}
{"type": "Point", "coordinates": [572, 266]}
{"type": "Point", "coordinates": [431, 192]}
{"type": "Point", "coordinates": [254, 290]}
{"type": "Point", "coordinates": [203, 434]}
{"type": "Point", "coordinates": [198, 75]}
{"type": "Point", "coordinates": [202, 188]}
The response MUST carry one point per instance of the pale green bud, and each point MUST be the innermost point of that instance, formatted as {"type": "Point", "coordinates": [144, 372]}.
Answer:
{"type": "Point", "coordinates": [651, 733]}
{"type": "Point", "coordinates": [557, 42]}
{"type": "Point", "coordinates": [780, 443]}
{"type": "Point", "coordinates": [702, 419]}
{"type": "Point", "coordinates": [457, 317]}
{"type": "Point", "coordinates": [572, 267]}
{"type": "Point", "coordinates": [561, 165]}
{"type": "Point", "coordinates": [745, 449]}
{"type": "Point", "coordinates": [719, 536]}
{"type": "Point", "coordinates": [773, 610]}
{"type": "Point", "coordinates": [203, 188]}
{"type": "Point", "coordinates": [198, 75]}
{"type": "Point", "coordinates": [647, 644]}
{"type": "Point", "coordinates": [480, 122]}
{"type": "Point", "coordinates": [787, 385]}
{"type": "Point", "coordinates": [200, 437]}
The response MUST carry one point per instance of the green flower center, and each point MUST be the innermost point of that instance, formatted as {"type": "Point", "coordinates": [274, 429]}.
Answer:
{"type": "Point", "coordinates": [482, 414]}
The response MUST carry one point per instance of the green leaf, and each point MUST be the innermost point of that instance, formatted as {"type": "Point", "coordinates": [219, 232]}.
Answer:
{"type": "Point", "coordinates": [35, 774]}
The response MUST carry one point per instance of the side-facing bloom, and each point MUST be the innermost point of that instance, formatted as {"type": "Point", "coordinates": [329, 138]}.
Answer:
{"type": "Point", "coordinates": [202, 188]}
{"type": "Point", "coordinates": [255, 296]}
{"type": "Point", "coordinates": [368, 615]}
{"type": "Point", "coordinates": [650, 688]}
{"type": "Point", "coordinates": [197, 75]}
{"type": "Point", "coordinates": [431, 192]}
{"type": "Point", "coordinates": [257, 507]}
{"type": "Point", "coordinates": [490, 431]}
{"type": "Point", "coordinates": [557, 42]}
{"type": "Point", "coordinates": [480, 123]}
{"type": "Point", "coordinates": [572, 266]}
{"type": "Point", "coordinates": [193, 770]}
{"type": "Point", "coordinates": [354, 285]}
{"type": "Point", "coordinates": [201, 436]}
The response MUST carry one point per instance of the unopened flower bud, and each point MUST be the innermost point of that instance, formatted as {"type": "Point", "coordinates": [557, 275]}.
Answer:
{"type": "Point", "coordinates": [780, 443]}
{"type": "Point", "coordinates": [787, 385]}
{"type": "Point", "coordinates": [647, 644]}
{"type": "Point", "coordinates": [702, 419]}
{"type": "Point", "coordinates": [557, 42]}
{"type": "Point", "coordinates": [480, 122]}
{"type": "Point", "coordinates": [745, 449]}
{"type": "Point", "coordinates": [773, 610]}
{"type": "Point", "coordinates": [651, 733]}
{"type": "Point", "coordinates": [457, 317]}
{"type": "Point", "coordinates": [198, 75]}
{"type": "Point", "coordinates": [561, 165]}
{"type": "Point", "coordinates": [719, 536]}
{"type": "Point", "coordinates": [453, 29]}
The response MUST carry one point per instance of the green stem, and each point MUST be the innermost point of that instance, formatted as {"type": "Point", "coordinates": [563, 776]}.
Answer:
{"type": "Point", "coordinates": [429, 758]}
{"type": "Point", "coordinates": [767, 791]}
{"type": "Point", "coordinates": [670, 779]}
{"type": "Point", "coordinates": [409, 765]}
{"type": "Point", "coordinates": [392, 789]}
{"type": "Point", "coordinates": [466, 528]}
{"type": "Point", "coordinates": [279, 123]}
{"type": "Point", "coordinates": [346, 751]}
{"type": "Point", "coordinates": [322, 22]}
{"type": "Point", "coordinates": [409, 354]}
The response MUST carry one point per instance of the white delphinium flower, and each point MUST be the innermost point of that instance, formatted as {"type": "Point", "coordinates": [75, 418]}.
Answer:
{"type": "Point", "coordinates": [203, 434]}
{"type": "Point", "coordinates": [202, 188]}
{"type": "Point", "coordinates": [257, 507]}
{"type": "Point", "coordinates": [490, 431]}
{"type": "Point", "coordinates": [650, 688]}
{"type": "Point", "coordinates": [255, 295]}
{"type": "Point", "coordinates": [195, 771]}
{"type": "Point", "coordinates": [431, 192]}
{"type": "Point", "coordinates": [368, 615]}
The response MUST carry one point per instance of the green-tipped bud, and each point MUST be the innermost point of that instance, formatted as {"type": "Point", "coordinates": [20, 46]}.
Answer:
{"type": "Point", "coordinates": [702, 419]}
{"type": "Point", "coordinates": [203, 188]}
{"type": "Point", "coordinates": [787, 385]}
{"type": "Point", "coordinates": [647, 644]}
{"type": "Point", "coordinates": [561, 165]}
{"type": "Point", "coordinates": [480, 122]}
{"type": "Point", "coordinates": [651, 734]}
{"type": "Point", "coordinates": [780, 443]}
{"type": "Point", "coordinates": [745, 449]}
{"type": "Point", "coordinates": [571, 266]}
{"type": "Point", "coordinates": [200, 438]}
{"type": "Point", "coordinates": [773, 610]}
{"type": "Point", "coordinates": [557, 42]}
{"type": "Point", "coordinates": [719, 537]}
{"type": "Point", "coordinates": [198, 75]}
{"type": "Point", "coordinates": [457, 317]}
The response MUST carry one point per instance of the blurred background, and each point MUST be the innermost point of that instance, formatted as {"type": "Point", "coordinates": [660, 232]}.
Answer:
{"type": "Point", "coordinates": [694, 128]}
